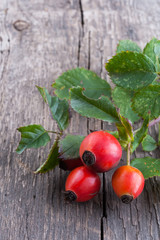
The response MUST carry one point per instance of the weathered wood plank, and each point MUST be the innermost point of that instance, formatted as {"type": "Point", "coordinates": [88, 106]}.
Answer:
{"type": "Point", "coordinates": [49, 38]}
{"type": "Point", "coordinates": [107, 22]}
{"type": "Point", "coordinates": [44, 42]}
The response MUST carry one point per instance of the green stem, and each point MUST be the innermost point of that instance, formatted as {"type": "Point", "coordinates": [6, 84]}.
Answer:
{"type": "Point", "coordinates": [159, 135]}
{"type": "Point", "coordinates": [59, 133]}
{"type": "Point", "coordinates": [153, 122]}
{"type": "Point", "coordinates": [128, 153]}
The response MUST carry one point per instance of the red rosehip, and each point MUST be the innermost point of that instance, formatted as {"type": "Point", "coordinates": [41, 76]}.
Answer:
{"type": "Point", "coordinates": [128, 183]}
{"type": "Point", "coordinates": [70, 164]}
{"type": "Point", "coordinates": [82, 184]}
{"type": "Point", "coordinates": [101, 151]}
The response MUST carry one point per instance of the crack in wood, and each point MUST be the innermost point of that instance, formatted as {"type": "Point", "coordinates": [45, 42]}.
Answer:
{"type": "Point", "coordinates": [81, 33]}
{"type": "Point", "coordinates": [104, 209]}
{"type": "Point", "coordinates": [104, 197]}
{"type": "Point", "coordinates": [82, 15]}
{"type": "Point", "coordinates": [102, 229]}
{"type": "Point", "coordinates": [138, 225]}
{"type": "Point", "coordinates": [89, 50]}
{"type": "Point", "coordinates": [79, 50]}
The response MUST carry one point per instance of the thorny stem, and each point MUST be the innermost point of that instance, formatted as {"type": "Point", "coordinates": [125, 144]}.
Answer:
{"type": "Point", "coordinates": [159, 135]}
{"type": "Point", "coordinates": [128, 153]}
{"type": "Point", "coordinates": [157, 120]}
{"type": "Point", "coordinates": [152, 123]}
{"type": "Point", "coordinates": [59, 133]}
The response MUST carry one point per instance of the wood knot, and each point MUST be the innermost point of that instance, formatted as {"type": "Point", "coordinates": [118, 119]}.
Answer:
{"type": "Point", "coordinates": [20, 25]}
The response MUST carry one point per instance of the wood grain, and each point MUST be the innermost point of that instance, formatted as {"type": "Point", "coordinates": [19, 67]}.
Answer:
{"type": "Point", "coordinates": [38, 41]}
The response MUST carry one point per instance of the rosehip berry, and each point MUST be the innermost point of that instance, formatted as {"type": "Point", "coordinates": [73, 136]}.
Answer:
{"type": "Point", "coordinates": [100, 151]}
{"type": "Point", "coordinates": [70, 164]}
{"type": "Point", "coordinates": [82, 184]}
{"type": "Point", "coordinates": [128, 183]}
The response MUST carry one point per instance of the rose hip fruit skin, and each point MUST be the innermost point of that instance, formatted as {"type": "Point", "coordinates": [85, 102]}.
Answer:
{"type": "Point", "coordinates": [70, 164]}
{"type": "Point", "coordinates": [82, 184]}
{"type": "Point", "coordinates": [100, 151]}
{"type": "Point", "coordinates": [128, 183]}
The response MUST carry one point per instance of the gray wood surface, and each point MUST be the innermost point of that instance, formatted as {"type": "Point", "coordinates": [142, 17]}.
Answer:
{"type": "Point", "coordinates": [39, 40]}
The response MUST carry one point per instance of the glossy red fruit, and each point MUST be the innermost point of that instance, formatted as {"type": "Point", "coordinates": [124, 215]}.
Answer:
{"type": "Point", "coordinates": [82, 184]}
{"type": "Point", "coordinates": [100, 151]}
{"type": "Point", "coordinates": [70, 164]}
{"type": "Point", "coordinates": [128, 183]}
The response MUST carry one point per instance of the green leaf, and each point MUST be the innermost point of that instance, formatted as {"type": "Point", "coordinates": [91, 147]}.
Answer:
{"type": "Point", "coordinates": [122, 99]}
{"type": "Point", "coordinates": [149, 167]}
{"type": "Point", "coordinates": [114, 133]}
{"type": "Point", "coordinates": [128, 127]}
{"type": "Point", "coordinates": [32, 136]}
{"type": "Point", "coordinates": [102, 108]}
{"type": "Point", "coordinates": [69, 146]}
{"type": "Point", "coordinates": [128, 45]}
{"type": "Point", "coordinates": [42, 92]}
{"type": "Point", "coordinates": [149, 49]}
{"type": "Point", "coordinates": [149, 144]}
{"type": "Point", "coordinates": [147, 101]}
{"type": "Point", "coordinates": [52, 160]}
{"type": "Point", "coordinates": [59, 108]}
{"type": "Point", "coordinates": [93, 84]}
{"type": "Point", "coordinates": [140, 134]}
{"type": "Point", "coordinates": [125, 132]}
{"type": "Point", "coordinates": [157, 54]}
{"type": "Point", "coordinates": [131, 70]}
{"type": "Point", "coordinates": [157, 49]}
{"type": "Point", "coordinates": [152, 50]}
{"type": "Point", "coordinates": [123, 137]}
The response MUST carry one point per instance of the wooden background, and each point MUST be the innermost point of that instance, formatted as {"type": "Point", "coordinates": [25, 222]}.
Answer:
{"type": "Point", "coordinates": [40, 39]}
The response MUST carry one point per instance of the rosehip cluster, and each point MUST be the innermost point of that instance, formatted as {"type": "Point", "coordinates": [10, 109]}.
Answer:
{"type": "Point", "coordinates": [100, 152]}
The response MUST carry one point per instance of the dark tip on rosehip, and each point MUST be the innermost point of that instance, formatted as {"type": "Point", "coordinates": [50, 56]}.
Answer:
{"type": "Point", "coordinates": [126, 199]}
{"type": "Point", "coordinates": [101, 151]}
{"type": "Point", "coordinates": [70, 196]}
{"type": "Point", "coordinates": [128, 183]}
{"type": "Point", "coordinates": [82, 184]}
{"type": "Point", "coordinates": [88, 158]}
